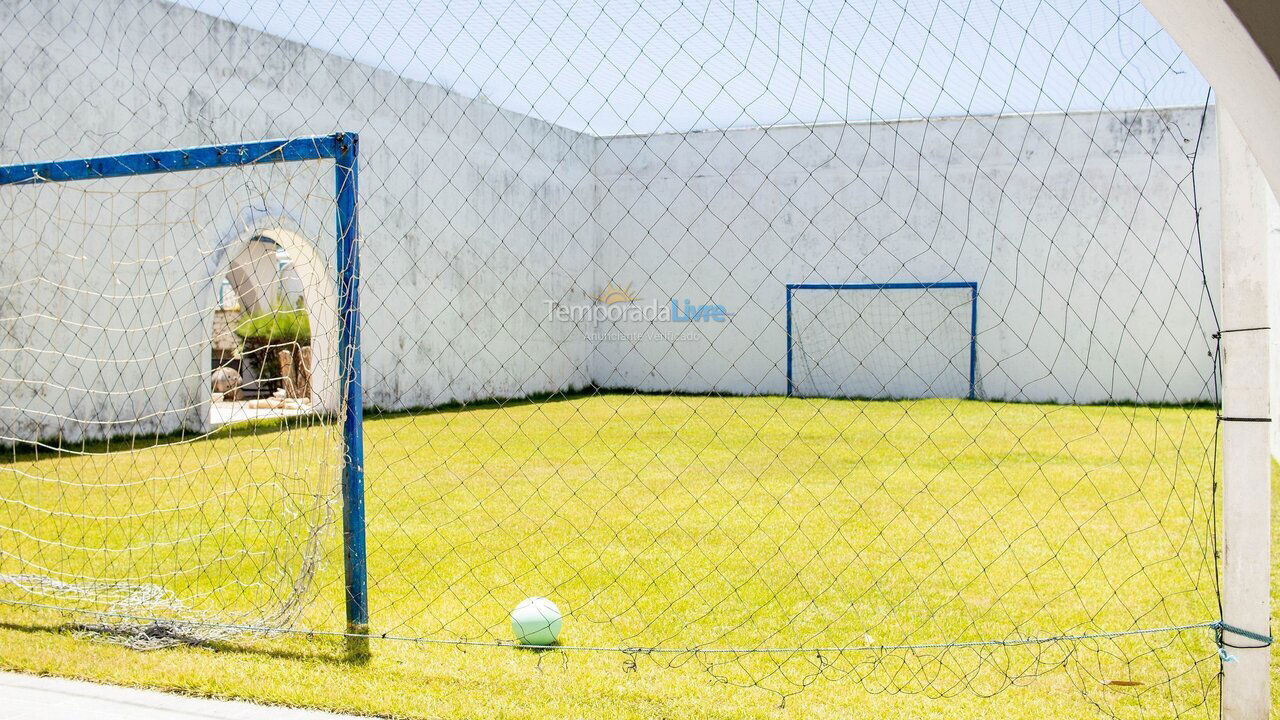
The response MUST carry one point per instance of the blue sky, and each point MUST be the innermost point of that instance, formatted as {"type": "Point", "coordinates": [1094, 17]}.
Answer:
{"type": "Point", "coordinates": [625, 66]}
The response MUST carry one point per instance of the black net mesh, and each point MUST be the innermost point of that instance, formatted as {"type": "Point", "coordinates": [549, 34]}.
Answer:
{"type": "Point", "coordinates": [788, 344]}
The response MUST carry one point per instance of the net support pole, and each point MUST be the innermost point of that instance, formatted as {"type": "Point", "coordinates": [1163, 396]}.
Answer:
{"type": "Point", "coordinates": [973, 342]}
{"type": "Point", "coordinates": [353, 525]}
{"type": "Point", "coordinates": [790, 360]}
{"type": "Point", "coordinates": [1246, 460]}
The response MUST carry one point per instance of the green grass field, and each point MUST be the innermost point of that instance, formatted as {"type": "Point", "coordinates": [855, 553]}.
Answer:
{"type": "Point", "coordinates": [669, 522]}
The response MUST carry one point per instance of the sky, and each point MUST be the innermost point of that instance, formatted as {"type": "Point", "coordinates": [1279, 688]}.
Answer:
{"type": "Point", "coordinates": [614, 67]}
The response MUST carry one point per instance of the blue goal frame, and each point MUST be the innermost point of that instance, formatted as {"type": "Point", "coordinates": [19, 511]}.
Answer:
{"type": "Point", "coordinates": [951, 285]}
{"type": "Point", "coordinates": [343, 149]}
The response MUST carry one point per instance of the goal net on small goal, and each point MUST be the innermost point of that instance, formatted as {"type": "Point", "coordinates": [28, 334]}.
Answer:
{"type": "Point", "coordinates": [133, 500]}
{"type": "Point", "coordinates": [885, 340]}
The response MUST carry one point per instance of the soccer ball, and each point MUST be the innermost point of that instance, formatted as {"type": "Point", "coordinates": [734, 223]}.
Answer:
{"type": "Point", "coordinates": [536, 621]}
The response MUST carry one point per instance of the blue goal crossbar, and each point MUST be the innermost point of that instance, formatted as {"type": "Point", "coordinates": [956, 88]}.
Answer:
{"type": "Point", "coordinates": [342, 148]}
{"type": "Point", "coordinates": [951, 285]}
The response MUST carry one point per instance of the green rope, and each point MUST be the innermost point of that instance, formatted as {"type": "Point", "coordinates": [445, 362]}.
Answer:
{"type": "Point", "coordinates": [1220, 628]}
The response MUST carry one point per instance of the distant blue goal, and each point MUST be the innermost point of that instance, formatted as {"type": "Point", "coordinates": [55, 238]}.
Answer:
{"type": "Point", "coordinates": [882, 340]}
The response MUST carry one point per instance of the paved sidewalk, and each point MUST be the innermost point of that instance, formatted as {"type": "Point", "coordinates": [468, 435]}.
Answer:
{"type": "Point", "coordinates": [27, 697]}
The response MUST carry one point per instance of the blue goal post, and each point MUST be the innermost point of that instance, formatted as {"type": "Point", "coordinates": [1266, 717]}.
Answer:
{"type": "Point", "coordinates": [343, 149]}
{"type": "Point", "coordinates": [972, 287]}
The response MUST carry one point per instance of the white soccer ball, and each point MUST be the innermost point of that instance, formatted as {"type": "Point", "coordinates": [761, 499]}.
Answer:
{"type": "Point", "coordinates": [536, 621]}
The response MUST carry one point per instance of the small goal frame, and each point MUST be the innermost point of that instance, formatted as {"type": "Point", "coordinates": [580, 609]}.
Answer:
{"type": "Point", "coordinates": [792, 288]}
{"type": "Point", "coordinates": [343, 149]}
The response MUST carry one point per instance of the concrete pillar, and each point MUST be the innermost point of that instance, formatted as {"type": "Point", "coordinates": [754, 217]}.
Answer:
{"type": "Point", "coordinates": [1246, 457]}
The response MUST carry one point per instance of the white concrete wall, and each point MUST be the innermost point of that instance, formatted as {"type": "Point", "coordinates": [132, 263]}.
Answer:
{"type": "Point", "coordinates": [470, 215]}
{"type": "Point", "coordinates": [78, 351]}
{"type": "Point", "coordinates": [475, 220]}
{"type": "Point", "coordinates": [1078, 228]}
{"type": "Point", "coordinates": [254, 276]}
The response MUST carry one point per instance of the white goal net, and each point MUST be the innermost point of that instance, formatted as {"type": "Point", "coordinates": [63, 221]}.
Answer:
{"type": "Point", "coordinates": [882, 341]}
{"type": "Point", "coordinates": [133, 492]}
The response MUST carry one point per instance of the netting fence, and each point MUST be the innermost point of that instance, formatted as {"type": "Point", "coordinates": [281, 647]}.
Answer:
{"type": "Point", "coordinates": [854, 342]}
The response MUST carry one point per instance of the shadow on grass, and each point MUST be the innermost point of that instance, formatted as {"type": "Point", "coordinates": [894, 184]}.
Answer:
{"type": "Point", "coordinates": [321, 648]}
{"type": "Point", "coordinates": [327, 649]}
{"type": "Point", "coordinates": [50, 448]}
{"type": "Point", "coordinates": [54, 447]}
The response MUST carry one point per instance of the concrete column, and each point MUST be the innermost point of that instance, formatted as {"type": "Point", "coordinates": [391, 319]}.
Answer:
{"type": "Point", "coordinates": [1246, 457]}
